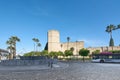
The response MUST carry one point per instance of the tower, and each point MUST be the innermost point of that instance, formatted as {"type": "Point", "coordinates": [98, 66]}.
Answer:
{"type": "Point", "coordinates": [53, 40]}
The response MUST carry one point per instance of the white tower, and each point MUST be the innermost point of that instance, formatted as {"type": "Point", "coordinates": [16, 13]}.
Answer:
{"type": "Point", "coordinates": [53, 40]}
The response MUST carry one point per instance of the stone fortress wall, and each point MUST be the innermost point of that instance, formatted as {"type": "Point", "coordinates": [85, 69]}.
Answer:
{"type": "Point", "coordinates": [103, 48]}
{"type": "Point", "coordinates": [54, 44]}
{"type": "Point", "coordinates": [76, 45]}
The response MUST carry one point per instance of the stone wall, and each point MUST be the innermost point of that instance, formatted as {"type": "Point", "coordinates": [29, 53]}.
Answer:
{"type": "Point", "coordinates": [54, 43]}
{"type": "Point", "coordinates": [104, 48]}
{"type": "Point", "coordinates": [76, 45]}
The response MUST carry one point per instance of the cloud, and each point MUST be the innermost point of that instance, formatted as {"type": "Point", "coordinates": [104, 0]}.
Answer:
{"type": "Point", "coordinates": [93, 42]}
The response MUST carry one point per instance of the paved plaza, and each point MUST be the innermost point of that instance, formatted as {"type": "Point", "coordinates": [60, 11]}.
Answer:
{"type": "Point", "coordinates": [63, 71]}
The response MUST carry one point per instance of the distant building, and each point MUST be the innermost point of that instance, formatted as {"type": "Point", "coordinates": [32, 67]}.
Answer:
{"type": "Point", "coordinates": [3, 54]}
{"type": "Point", "coordinates": [54, 44]}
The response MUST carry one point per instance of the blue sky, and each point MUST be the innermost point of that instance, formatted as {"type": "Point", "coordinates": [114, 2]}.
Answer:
{"type": "Point", "coordinates": [84, 20]}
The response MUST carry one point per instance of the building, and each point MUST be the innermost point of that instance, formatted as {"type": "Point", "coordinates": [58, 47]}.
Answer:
{"type": "Point", "coordinates": [54, 44]}
{"type": "Point", "coordinates": [3, 54]}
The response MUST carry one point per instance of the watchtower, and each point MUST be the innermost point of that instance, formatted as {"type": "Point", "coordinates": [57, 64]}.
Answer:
{"type": "Point", "coordinates": [53, 40]}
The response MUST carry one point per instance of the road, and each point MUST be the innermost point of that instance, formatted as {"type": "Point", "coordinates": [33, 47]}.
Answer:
{"type": "Point", "coordinates": [75, 71]}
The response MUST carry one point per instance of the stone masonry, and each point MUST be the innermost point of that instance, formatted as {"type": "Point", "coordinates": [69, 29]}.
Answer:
{"type": "Point", "coordinates": [54, 44]}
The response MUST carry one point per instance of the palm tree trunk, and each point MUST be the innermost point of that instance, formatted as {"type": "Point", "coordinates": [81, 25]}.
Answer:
{"type": "Point", "coordinates": [110, 34]}
{"type": "Point", "coordinates": [36, 48]}
{"type": "Point", "coordinates": [83, 59]}
{"type": "Point", "coordinates": [11, 56]}
{"type": "Point", "coordinates": [14, 51]}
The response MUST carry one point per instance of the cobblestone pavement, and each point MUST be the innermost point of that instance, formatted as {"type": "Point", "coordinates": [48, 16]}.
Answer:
{"type": "Point", "coordinates": [75, 71]}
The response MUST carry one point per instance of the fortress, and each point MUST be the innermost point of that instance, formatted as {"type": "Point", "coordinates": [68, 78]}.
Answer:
{"type": "Point", "coordinates": [54, 44]}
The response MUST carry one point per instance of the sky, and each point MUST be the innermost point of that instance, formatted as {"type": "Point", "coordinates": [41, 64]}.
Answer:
{"type": "Point", "coordinates": [81, 20]}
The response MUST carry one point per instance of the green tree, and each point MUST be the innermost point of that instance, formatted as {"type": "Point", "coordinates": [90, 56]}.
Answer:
{"type": "Point", "coordinates": [109, 29]}
{"type": "Point", "coordinates": [115, 51]}
{"type": "Point", "coordinates": [68, 53]}
{"type": "Point", "coordinates": [10, 48]}
{"type": "Point", "coordinates": [12, 44]}
{"type": "Point", "coordinates": [111, 42]}
{"type": "Point", "coordinates": [31, 54]}
{"type": "Point", "coordinates": [44, 53]}
{"type": "Point", "coordinates": [36, 44]}
{"type": "Point", "coordinates": [72, 49]}
{"type": "Point", "coordinates": [53, 54]}
{"type": "Point", "coordinates": [60, 53]}
{"type": "Point", "coordinates": [84, 52]}
{"type": "Point", "coordinates": [28, 54]}
{"type": "Point", "coordinates": [96, 52]}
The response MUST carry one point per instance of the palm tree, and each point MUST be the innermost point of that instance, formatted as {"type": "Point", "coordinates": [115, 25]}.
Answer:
{"type": "Point", "coordinates": [12, 45]}
{"type": "Point", "coordinates": [11, 48]}
{"type": "Point", "coordinates": [36, 44]}
{"type": "Point", "coordinates": [14, 40]}
{"type": "Point", "coordinates": [68, 39]}
{"type": "Point", "coordinates": [109, 29]}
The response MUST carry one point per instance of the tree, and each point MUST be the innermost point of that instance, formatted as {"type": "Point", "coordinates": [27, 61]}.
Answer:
{"type": "Point", "coordinates": [14, 39]}
{"type": "Point", "coordinates": [28, 54]}
{"type": "Point", "coordinates": [111, 42]}
{"type": "Point", "coordinates": [96, 52]}
{"type": "Point", "coordinates": [68, 39]}
{"type": "Point", "coordinates": [12, 45]}
{"type": "Point", "coordinates": [36, 44]}
{"type": "Point", "coordinates": [44, 53]}
{"type": "Point", "coordinates": [10, 48]}
{"type": "Point", "coordinates": [68, 53]}
{"type": "Point", "coordinates": [60, 53]}
{"type": "Point", "coordinates": [109, 29]}
{"type": "Point", "coordinates": [53, 54]}
{"type": "Point", "coordinates": [31, 54]}
{"type": "Point", "coordinates": [84, 52]}
{"type": "Point", "coordinates": [72, 49]}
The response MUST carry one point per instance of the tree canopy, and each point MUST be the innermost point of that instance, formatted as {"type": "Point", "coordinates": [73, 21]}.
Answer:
{"type": "Point", "coordinates": [12, 45]}
{"type": "Point", "coordinates": [68, 53]}
{"type": "Point", "coordinates": [109, 29]}
{"type": "Point", "coordinates": [84, 52]}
